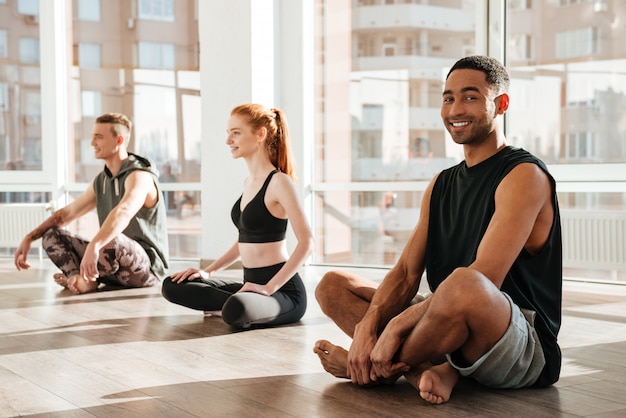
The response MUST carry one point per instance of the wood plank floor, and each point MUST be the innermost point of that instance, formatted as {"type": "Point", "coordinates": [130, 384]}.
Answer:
{"type": "Point", "coordinates": [130, 353]}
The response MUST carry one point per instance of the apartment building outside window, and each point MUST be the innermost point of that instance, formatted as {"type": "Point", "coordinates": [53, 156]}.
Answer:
{"type": "Point", "coordinates": [378, 136]}
{"type": "Point", "coordinates": [156, 10]}
{"type": "Point", "coordinates": [552, 67]}
{"type": "Point", "coordinates": [577, 43]}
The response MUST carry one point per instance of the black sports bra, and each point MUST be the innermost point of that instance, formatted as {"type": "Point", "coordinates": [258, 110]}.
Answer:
{"type": "Point", "coordinates": [256, 224]}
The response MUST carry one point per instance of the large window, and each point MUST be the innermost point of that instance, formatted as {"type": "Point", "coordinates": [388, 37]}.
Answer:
{"type": "Point", "coordinates": [20, 92]}
{"type": "Point", "coordinates": [150, 73]}
{"type": "Point", "coordinates": [568, 106]}
{"type": "Point", "coordinates": [379, 137]}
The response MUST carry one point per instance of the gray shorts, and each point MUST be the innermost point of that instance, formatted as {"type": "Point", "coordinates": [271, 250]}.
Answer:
{"type": "Point", "coordinates": [516, 361]}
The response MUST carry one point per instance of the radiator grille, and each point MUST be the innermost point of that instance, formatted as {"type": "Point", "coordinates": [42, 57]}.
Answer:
{"type": "Point", "coordinates": [594, 239]}
{"type": "Point", "coordinates": [18, 219]}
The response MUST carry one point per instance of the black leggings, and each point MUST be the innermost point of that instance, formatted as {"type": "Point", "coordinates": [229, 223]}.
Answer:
{"type": "Point", "coordinates": [244, 309]}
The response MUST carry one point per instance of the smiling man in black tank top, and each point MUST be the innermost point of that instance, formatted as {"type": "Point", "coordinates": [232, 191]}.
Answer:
{"type": "Point", "coordinates": [489, 239]}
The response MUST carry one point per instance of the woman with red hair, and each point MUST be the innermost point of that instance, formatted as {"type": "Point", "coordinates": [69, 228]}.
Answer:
{"type": "Point", "coordinates": [272, 292]}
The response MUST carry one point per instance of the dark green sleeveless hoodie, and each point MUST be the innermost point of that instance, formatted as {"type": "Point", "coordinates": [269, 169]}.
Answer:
{"type": "Point", "coordinates": [148, 227]}
{"type": "Point", "coordinates": [461, 207]}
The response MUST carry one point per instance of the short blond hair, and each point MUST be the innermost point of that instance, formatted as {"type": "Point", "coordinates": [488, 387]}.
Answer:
{"type": "Point", "coordinates": [120, 124]}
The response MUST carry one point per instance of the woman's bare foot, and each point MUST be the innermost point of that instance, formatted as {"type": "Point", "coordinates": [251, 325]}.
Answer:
{"type": "Point", "coordinates": [60, 279]}
{"type": "Point", "coordinates": [334, 358]}
{"type": "Point", "coordinates": [77, 284]}
{"type": "Point", "coordinates": [435, 384]}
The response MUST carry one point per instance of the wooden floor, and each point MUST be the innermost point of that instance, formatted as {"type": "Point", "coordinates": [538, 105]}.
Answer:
{"type": "Point", "coordinates": [129, 353]}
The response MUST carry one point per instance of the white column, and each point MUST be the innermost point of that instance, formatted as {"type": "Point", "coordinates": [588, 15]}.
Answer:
{"type": "Point", "coordinates": [229, 77]}
{"type": "Point", "coordinates": [295, 89]}
{"type": "Point", "coordinates": [55, 118]}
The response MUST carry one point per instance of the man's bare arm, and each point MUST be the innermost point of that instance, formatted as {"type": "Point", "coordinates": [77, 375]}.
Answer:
{"type": "Point", "coordinates": [64, 216]}
{"type": "Point", "coordinates": [522, 219]}
{"type": "Point", "coordinates": [402, 282]}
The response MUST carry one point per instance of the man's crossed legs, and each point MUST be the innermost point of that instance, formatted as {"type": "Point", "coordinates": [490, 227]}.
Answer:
{"type": "Point", "coordinates": [463, 325]}
{"type": "Point", "coordinates": [122, 262]}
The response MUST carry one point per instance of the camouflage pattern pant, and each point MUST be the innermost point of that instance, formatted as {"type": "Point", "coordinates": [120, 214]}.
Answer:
{"type": "Point", "coordinates": [122, 262]}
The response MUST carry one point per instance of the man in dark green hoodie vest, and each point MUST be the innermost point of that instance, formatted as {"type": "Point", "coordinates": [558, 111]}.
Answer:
{"type": "Point", "coordinates": [130, 249]}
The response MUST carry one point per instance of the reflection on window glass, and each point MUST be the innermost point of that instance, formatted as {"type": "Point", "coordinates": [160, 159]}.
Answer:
{"type": "Point", "coordinates": [156, 10]}
{"type": "Point", "coordinates": [91, 103]}
{"type": "Point", "coordinates": [156, 55]}
{"type": "Point", "coordinates": [378, 117]}
{"type": "Point", "coordinates": [376, 229]}
{"type": "Point", "coordinates": [89, 10]}
{"type": "Point", "coordinates": [4, 52]}
{"type": "Point", "coordinates": [568, 106]}
{"type": "Point", "coordinates": [156, 123]}
{"type": "Point", "coordinates": [89, 55]}
{"type": "Point", "coordinates": [29, 50]}
{"type": "Point", "coordinates": [28, 7]}
{"type": "Point", "coordinates": [573, 86]}
{"type": "Point", "coordinates": [20, 97]}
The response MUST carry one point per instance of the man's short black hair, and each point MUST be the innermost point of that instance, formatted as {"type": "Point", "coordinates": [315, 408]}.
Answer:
{"type": "Point", "coordinates": [495, 73]}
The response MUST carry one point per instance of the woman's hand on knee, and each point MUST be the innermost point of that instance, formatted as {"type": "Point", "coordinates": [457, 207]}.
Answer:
{"type": "Point", "coordinates": [256, 288]}
{"type": "Point", "coordinates": [189, 275]}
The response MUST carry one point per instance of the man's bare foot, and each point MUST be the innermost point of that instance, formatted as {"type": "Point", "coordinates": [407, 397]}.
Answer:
{"type": "Point", "coordinates": [60, 279]}
{"type": "Point", "coordinates": [435, 384]}
{"type": "Point", "coordinates": [334, 358]}
{"type": "Point", "coordinates": [77, 284]}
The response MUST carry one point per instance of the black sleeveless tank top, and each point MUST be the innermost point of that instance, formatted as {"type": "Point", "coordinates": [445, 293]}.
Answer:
{"type": "Point", "coordinates": [256, 224]}
{"type": "Point", "coordinates": [461, 206]}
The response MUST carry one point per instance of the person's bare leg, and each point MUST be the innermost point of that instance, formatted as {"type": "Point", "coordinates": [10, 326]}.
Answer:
{"type": "Point", "coordinates": [467, 314]}
{"type": "Point", "coordinates": [344, 298]}
{"type": "Point", "coordinates": [334, 358]}
{"type": "Point", "coordinates": [435, 385]}
{"type": "Point", "coordinates": [78, 284]}
{"type": "Point", "coordinates": [60, 279]}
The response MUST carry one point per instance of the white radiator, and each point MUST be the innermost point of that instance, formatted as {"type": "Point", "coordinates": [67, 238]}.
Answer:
{"type": "Point", "coordinates": [18, 219]}
{"type": "Point", "coordinates": [594, 239]}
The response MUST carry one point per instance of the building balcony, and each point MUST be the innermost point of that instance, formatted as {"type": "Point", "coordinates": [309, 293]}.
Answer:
{"type": "Point", "coordinates": [416, 16]}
